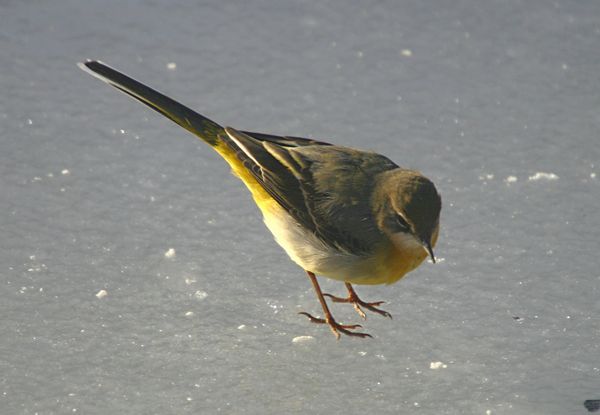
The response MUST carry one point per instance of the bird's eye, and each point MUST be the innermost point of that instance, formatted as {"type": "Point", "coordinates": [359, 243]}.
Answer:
{"type": "Point", "coordinates": [402, 222]}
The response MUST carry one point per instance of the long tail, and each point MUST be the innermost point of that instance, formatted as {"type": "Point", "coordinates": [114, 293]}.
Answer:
{"type": "Point", "coordinates": [197, 124]}
{"type": "Point", "coordinates": [209, 131]}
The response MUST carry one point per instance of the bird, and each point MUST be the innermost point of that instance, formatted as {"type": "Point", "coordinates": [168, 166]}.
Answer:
{"type": "Point", "coordinates": [349, 215]}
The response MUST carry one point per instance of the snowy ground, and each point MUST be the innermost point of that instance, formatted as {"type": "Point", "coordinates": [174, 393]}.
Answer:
{"type": "Point", "coordinates": [497, 102]}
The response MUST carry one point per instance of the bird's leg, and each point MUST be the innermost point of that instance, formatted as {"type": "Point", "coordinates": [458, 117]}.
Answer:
{"type": "Point", "coordinates": [358, 303]}
{"type": "Point", "coordinates": [335, 327]}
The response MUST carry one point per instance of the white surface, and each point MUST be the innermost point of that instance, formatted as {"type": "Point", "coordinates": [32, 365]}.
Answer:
{"type": "Point", "coordinates": [95, 188]}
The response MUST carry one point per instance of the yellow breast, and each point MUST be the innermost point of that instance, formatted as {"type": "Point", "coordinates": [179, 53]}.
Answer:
{"type": "Point", "coordinates": [402, 261]}
{"type": "Point", "coordinates": [402, 256]}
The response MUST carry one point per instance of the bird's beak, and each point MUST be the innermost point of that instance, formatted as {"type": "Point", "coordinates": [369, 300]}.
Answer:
{"type": "Point", "coordinates": [429, 249]}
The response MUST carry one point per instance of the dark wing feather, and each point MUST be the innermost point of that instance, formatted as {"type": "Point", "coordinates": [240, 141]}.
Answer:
{"type": "Point", "coordinates": [277, 179]}
{"type": "Point", "coordinates": [338, 216]}
{"type": "Point", "coordinates": [285, 141]}
{"type": "Point", "coordinates": [289, 177]}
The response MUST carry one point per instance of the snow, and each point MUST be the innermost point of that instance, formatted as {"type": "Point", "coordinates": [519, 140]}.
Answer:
{"type": "Point", "coordinates": [543, 176]}
{"type": "Point", "coordinates": [303, 339]}
{"type": "Point", "coordinates": [490, 94]}
{"type": "Point", "coordinates": [101, 294]}
{"type": "Point", "coordinates": [200, 295]}
{"type": "Point", "coordinates": [437, 365]}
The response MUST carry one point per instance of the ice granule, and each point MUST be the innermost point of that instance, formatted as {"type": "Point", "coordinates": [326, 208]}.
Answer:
{"type": "Point", "coordinates": [200, 295]}
{"type": "Point", "coordinates": [302, 339]}
{"type": "Point", "coordinates": [437, 365]}
{"type": "Point", "coordinates": [540, 175]}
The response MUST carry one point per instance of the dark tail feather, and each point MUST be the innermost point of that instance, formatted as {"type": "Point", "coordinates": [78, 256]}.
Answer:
{"type": "Point", "coordinates": [201, 126]}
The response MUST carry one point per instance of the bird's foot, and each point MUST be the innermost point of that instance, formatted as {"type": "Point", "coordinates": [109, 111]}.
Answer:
{"type": "Point", "coordinates": [358, 303]}
{"type": "Point", "coordinates": [337, 328]}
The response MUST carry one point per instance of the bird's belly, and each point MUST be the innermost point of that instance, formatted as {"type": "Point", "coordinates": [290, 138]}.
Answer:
{"type": "Point", "coordinates": [386, 265]}
{"type": "Point", "coordinates": [305, 249]}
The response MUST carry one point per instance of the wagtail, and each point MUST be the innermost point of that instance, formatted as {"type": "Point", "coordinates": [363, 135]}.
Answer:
{"type": "Point", "coordinates": [350, 215]}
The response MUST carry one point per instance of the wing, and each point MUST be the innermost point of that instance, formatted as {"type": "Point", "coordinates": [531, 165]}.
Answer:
{"type": "Point", "coordinates": [324, 188]}
{"type": "Point", "coordinates": [252, 149]}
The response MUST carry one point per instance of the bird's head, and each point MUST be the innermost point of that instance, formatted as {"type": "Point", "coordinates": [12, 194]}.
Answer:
{"type": "Point", "coordinates": [407, 207]}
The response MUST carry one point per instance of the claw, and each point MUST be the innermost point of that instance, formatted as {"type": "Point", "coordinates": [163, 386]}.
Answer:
{"type": "Point", "coordinates": [337, 328]}
{"type": "Point", "coordinates": [358, 303]}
